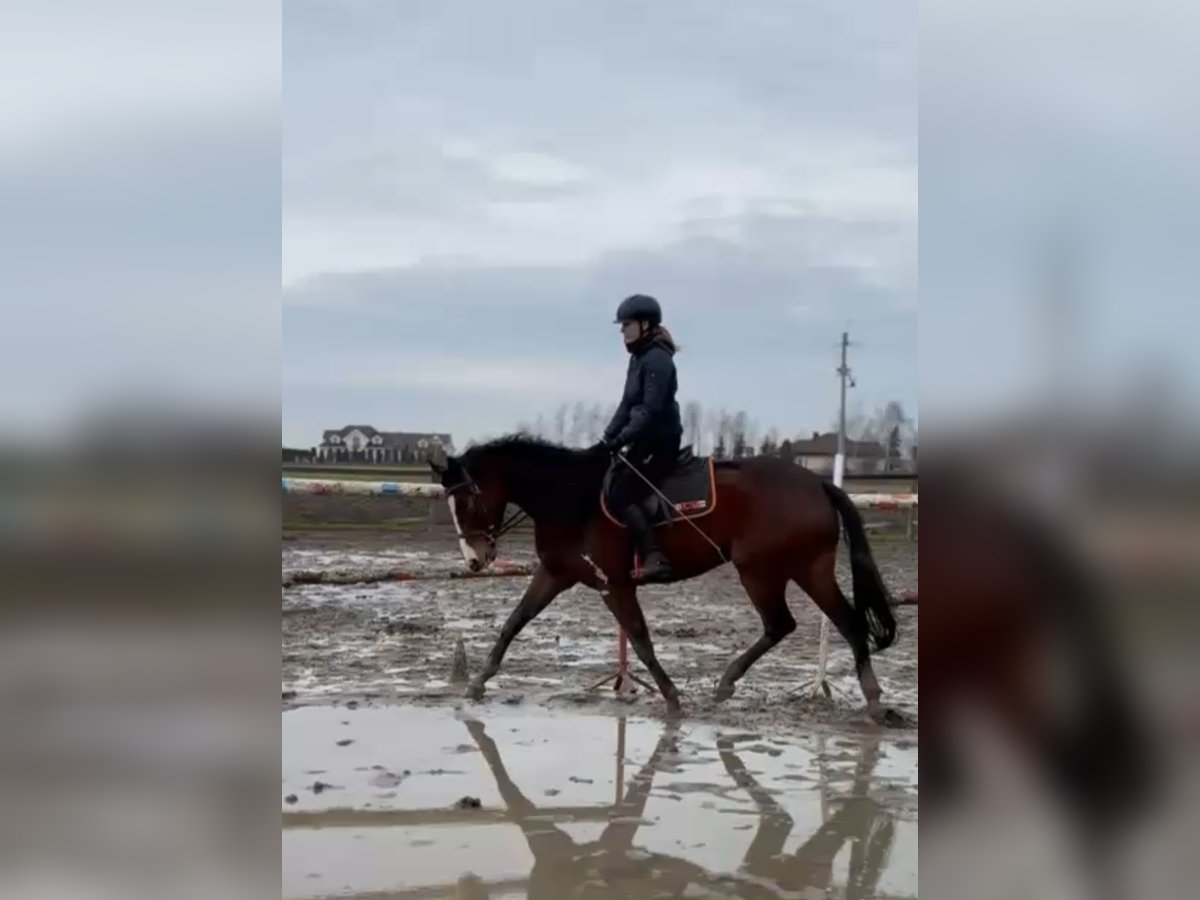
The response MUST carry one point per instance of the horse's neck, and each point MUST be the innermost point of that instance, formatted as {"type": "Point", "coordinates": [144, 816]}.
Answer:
{"type": "Point", "coordinates": [550, 491]}
{"type": "Point", "coordinates": [533, 491]}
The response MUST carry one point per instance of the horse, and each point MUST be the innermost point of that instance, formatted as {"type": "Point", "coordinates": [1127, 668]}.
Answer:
{"type": "Point", "coordinates": [775, 521]}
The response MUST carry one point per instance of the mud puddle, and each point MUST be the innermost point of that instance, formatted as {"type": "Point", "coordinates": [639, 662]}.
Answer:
{"type": "Point", "coordinates": [399, 801]}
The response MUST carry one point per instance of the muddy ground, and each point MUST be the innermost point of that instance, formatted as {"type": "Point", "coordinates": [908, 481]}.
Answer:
{"type": "Point", "coordinates": [314, 510]}
{"type": "Point", "coordinates": [395, 641]}
{"type": "Point", "coordinates": [394, 786]}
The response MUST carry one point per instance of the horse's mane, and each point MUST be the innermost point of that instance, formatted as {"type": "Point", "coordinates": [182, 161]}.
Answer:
{"type": "Point", "coordinates": [544, 478]}
{"type": "Point", "coordinates": [522, 445]}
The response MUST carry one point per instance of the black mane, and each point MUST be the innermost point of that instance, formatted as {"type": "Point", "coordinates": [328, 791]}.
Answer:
{"type": "Point", "coordinates": [522, 444]}
{"type": "Point", "coordinates": [547, 480]}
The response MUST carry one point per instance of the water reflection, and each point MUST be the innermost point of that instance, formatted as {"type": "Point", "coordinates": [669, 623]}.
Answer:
{"type": "Point", "coordinates": [605, 867]}
{"type": "Point", "coordinates": [824, 824]}
{"type": "Point", "coordinates": [857, 820]}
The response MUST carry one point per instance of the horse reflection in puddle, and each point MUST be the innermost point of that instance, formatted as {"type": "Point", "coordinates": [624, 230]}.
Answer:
{"type": "Point", "coordinates": [610, 867]}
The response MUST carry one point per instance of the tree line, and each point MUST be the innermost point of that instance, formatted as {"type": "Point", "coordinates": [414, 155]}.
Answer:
{"type": "Point", "coordinates": [733, 435]}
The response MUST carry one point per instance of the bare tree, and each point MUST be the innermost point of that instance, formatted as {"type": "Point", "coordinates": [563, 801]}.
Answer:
{"type": "Point", "coordinates": [859, 426]}
{"type": "Point", "coordinates": [889, 427]}
{"type": "Point", "coordinates": [894, 450]}
{"type": "Point", "coordinates": [770, 444]}
{"type": "Point", "coordinates": [879, 427]}
{"type": "Point", "coordinates": [711, 430]}
{"type": "Point", "coordinates": [737, 438]}
{"type": "Point", "coordinates": [900, 431]}
{"type": "Point", "coordinates": [560, 424]}
{"type": "Point", "coordinates": [691, 424]}
{"type": "Point", "coordinates": [725, 433]}
{"type": "Point", "coordinates": [899, 418]}
{"type": "Point", "coordinates": [718, 433]}
{"type": "Point", "coordinates": [595, 423]}
{"type": "Point", "coordinates": [607, 417]}
{"type": "Point", "coordinates": [752, 433]}
{"type": "Point", "coordinates": [576, 433]}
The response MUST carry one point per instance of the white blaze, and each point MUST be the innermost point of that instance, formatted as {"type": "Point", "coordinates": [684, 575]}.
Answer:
{"type": "Point", "coordinates": [468, 551]}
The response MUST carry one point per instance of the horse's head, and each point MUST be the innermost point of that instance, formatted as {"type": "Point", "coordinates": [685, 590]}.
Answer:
{"type": "Point", "coordinates": [477, 502]}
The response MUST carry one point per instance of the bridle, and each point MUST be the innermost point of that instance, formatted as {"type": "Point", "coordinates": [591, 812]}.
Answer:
{"type": "Point", "coordinates": [491, 534]}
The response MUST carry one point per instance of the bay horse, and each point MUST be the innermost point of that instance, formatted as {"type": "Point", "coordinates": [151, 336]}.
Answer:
{"type": "Point", "coordinates": [775, 521]}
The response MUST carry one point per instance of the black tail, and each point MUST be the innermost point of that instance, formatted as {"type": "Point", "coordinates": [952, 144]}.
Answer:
{"type": "Point", "coordinates": [871, 596]}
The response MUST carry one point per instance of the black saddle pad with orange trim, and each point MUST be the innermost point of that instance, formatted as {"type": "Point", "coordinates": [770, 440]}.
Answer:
{"type": "Point", "coordinates": [691, 487]}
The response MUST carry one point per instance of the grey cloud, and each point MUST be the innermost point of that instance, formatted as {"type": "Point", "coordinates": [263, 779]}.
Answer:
{"type": "Point", "coordinates": [412, 178]}
{"type": "Point", "coordinates": [758, 320]}
{"type": "Point", "coordinates": [766, 263]}
{"type": "Point", "coordinates": [745, 113]}
{"type": "Point", "coordinates": [143, 262]}
{"type": "Point", "coordinates": [616, 87]}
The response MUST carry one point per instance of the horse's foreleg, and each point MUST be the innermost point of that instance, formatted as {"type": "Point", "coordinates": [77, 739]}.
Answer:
{"type": "Point", "coordinates": [622, 602]}
{"type": "Point", "coordinates": [542, 589]}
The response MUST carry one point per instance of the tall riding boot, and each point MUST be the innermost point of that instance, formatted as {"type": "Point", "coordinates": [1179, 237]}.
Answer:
{"type": "Point", "coordinates": [655, 567]}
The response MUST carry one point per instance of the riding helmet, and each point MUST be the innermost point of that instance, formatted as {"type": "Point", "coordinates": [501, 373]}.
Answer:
{"type": "Point", "coordinates": [639, 308]}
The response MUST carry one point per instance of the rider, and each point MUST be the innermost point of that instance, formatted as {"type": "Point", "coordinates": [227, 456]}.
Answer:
{"type": "Point", "coordinates": [646, 425]}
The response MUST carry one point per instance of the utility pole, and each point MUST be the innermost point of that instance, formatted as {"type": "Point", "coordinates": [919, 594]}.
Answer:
{"type": "Point", "coordinates": [839, 461]}
{"type": "Point", "coordinates": [839, 474]}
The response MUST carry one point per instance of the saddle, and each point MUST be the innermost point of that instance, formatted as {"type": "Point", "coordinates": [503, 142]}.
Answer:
{"type": "Point", "coordinates": [691, 487]}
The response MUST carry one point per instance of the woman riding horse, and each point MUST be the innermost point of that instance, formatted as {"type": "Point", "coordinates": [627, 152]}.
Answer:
{"type": "Point", "coordinates": [646, 429]}
{"type": "Point", "coordinates": [776, 522]}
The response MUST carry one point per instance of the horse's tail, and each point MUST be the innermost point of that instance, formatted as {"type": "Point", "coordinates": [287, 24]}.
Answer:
{"type": "Point", "coordinates": [871, 596]}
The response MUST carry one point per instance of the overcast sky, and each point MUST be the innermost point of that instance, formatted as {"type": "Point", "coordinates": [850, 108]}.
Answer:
{"type": "Point", "coordinates": [139, 211]}
{"type": "Point", "coordinates": [471, 188]}
{"type": "Point", "coordinates": [1058, 124]}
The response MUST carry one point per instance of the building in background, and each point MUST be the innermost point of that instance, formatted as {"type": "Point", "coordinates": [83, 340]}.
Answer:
{"type": "Point", "coordinates": [364, 443]}
{"type": "Point", "coordinates": [817, 453]}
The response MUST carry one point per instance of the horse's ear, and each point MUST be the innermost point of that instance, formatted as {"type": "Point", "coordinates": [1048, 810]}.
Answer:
{"type": "Point", "coordinates": [450, 466]}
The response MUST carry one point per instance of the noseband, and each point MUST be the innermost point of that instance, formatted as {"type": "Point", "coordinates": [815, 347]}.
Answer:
{"type": "Point", "coordinates": [491, 534]}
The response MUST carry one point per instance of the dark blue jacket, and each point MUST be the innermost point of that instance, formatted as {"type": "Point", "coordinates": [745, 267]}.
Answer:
{"type": "Point", "coordinates": [648, 412]}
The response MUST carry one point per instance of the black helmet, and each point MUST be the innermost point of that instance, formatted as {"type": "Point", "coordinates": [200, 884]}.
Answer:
{"type": "Point", "coordinates": [639, 308]}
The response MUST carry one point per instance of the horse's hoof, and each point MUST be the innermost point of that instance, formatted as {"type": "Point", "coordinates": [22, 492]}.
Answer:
{"type": "Point", "coordinates": [722, 693]}
{"type": "Point", "coordinates": [888, 717]}
{"type": "Point", "coordinates": [474, 691]}
{"type": "Point", "coordinates": [674, 709]}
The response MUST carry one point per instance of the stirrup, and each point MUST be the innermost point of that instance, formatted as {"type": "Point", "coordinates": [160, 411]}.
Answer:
{"type": "Point", "coordinates": [656, 574]}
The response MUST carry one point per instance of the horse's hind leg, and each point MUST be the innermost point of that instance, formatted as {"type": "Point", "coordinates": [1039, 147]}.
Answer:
{"type": "Point", "coordinates": [543, 588]}
{"type": "Point", "coordinates": [819, 581]}
{"type": "Point", "coordinates": [768, 593]}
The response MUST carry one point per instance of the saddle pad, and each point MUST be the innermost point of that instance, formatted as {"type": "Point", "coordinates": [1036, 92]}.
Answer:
{"type": "Point", "coordinates": [691, 488]}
